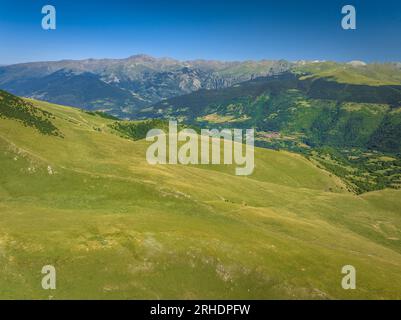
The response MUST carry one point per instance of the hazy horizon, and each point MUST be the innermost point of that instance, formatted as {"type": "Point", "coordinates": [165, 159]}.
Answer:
{"type": "Point", "coordinates": [201, 59]}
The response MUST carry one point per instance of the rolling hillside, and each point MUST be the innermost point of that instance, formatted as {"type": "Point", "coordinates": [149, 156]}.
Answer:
{"type": "Point", "coordinates": [86, 201]}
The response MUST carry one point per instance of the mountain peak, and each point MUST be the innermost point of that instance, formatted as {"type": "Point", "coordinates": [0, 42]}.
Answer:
{"type": "Point", "coordinates": [142, 57]}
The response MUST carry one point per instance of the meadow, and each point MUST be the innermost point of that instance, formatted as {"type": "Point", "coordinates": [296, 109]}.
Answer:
{"type": "Point", "coordinates": [115, 227]}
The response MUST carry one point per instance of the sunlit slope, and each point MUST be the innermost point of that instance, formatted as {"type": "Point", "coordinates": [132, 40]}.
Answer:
{"type": "Point", "coordinates": [115, 227]}
{"type": "Point", "coordinates": [371, 74]}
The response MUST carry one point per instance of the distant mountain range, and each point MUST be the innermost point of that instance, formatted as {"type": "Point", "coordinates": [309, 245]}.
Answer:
{"type": "Point", "coordinates": [122, 86]}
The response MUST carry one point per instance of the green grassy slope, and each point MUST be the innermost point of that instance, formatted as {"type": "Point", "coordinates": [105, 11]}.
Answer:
{"type": "Point", "coordinates": [370, 74]}
{"type": "Point", "coordinates": [115, 227]}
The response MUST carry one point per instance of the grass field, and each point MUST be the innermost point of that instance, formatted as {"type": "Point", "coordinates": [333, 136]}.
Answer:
{"type": "Point", "coordinates": [87, 202]}
{"type": "Point", "coordinates": [370, 74]}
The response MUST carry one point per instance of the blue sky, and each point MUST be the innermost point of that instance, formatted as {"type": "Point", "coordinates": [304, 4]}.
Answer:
{"type": "Point", "coordinates": [224, 30]}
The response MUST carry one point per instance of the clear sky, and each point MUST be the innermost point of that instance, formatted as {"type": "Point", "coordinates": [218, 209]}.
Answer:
{"type": "Point", "coordinates": [224, 30]}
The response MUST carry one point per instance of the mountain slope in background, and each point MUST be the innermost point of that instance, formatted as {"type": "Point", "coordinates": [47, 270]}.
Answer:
{"type": "Point", "coordinates": [87, 202]}
{"type": "Point", "coordinates": [80, 89]}
{"type": "Point", "coordinates": [324, 111]}
{"type": "Point", "coordinates": [354, 72]}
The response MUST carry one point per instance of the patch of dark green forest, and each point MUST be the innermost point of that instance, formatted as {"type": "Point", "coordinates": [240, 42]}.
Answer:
{"type": "Point", "coordinates": [102, 115]}
{"type": "Point", "coordinates": [362, 170]}
{"type": "Point", "coordinates": [12, 107]}
{"type": "Point", "coordinates": [139, 129]}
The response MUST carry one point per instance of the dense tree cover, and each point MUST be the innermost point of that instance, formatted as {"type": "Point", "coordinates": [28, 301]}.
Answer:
{"type": "Point", "coordinates": [138, 130]}
{"type": "Point", "coordinates": [323, 111]}
{"type": "Point", "coordinates": [12, 107]}
{"type": "Point", "coordinates": [102, 114]}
